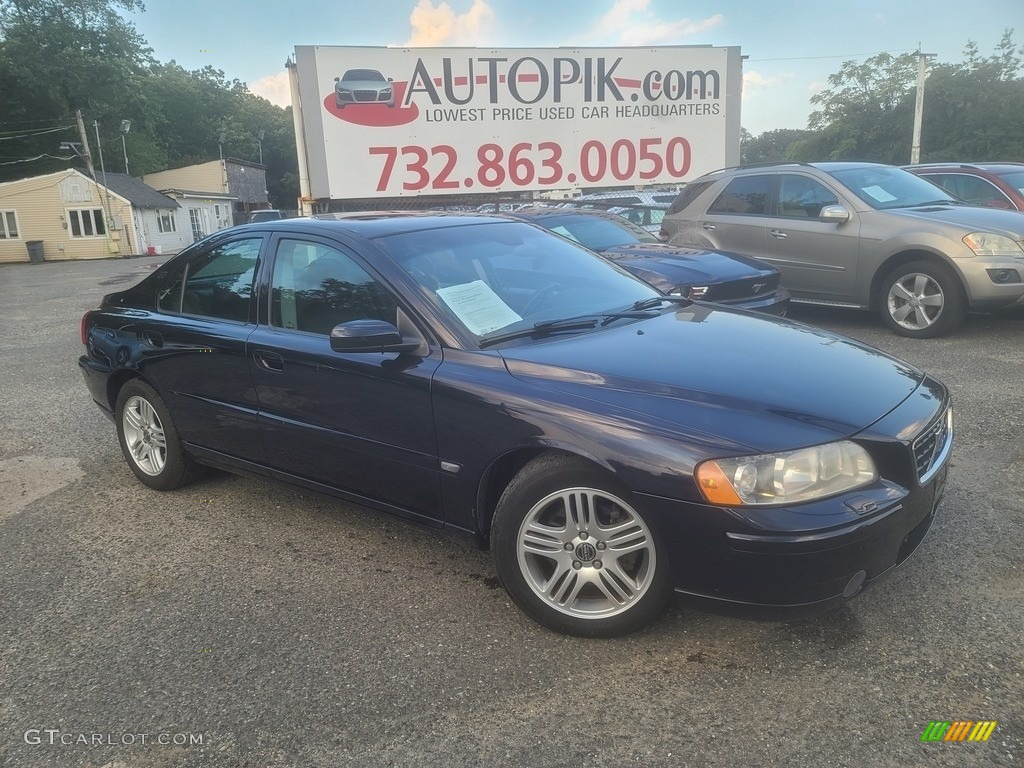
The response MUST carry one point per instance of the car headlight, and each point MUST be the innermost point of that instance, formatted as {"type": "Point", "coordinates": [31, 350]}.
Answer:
{"type": "Point", "coordinates": [987, 244]}
{"type": "Point", "coordinates": [344, 90]}
{"type": "Point", "coordinates": [786, 478]}
{"type": "Point", "coordinates": [385, 91]}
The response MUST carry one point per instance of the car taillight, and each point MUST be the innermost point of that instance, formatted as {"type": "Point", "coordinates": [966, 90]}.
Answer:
{"type": "Point", "coordinates": [85, 319]}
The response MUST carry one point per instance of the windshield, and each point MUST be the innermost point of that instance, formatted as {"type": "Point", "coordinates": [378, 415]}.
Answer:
{"type": "Point", "coordinates": [884, 187]}
{"type": "Point", "coordinates": [364, 74]}
{"type": "Point", "coordinates": [596, 232]}
{"type": "Point", "coordinates": [496, 277]}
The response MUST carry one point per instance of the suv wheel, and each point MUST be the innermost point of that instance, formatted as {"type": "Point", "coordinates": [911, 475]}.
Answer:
{"type": "Point", "coordinates": [921, 300]}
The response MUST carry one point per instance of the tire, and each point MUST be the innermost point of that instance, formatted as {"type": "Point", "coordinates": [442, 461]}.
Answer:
{"type": "Point", "coordinates": [575, 553]}
{"type": "Point", "coordinates": [148, 439]}
{"type": "Point", "coordinates": [922, 300]}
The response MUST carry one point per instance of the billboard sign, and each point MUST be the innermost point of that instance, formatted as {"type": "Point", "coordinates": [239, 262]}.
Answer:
{"type": "Point", "coordinates": [387, 122]}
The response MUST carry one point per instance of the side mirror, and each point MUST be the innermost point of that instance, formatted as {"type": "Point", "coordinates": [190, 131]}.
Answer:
{"type": "Point", "coordinates": [391, 79]}
{"type": "Point", "coordinates": [337, 79]}
{"type": "Point", "coordinates": [836, 213]}
{"type": "Point", "coordinates": [369, 336]}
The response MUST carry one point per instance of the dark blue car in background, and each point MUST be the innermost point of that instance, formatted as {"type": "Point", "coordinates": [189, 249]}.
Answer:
{"type": "Point", "coordinates": [611, 444]}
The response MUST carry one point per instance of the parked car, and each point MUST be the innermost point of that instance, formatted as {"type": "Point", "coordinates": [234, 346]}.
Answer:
{"type": "Point", "coordinates": [696, 273]}
{"type": "Point", "coordinates": [363, 86]}
{"type": "Point", "coordinates": [265, 214]}
{"type": "Point", "coordinates": [647, 217]}
{"type": "Point", "coordinates": [992, 185]}
{"type": "Point", "coordinates": [860, 235]}
{"type": "Point", "coordinates": [479, 374]}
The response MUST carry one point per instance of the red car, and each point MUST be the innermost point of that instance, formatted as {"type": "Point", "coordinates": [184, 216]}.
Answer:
{"type": "Point", "coordinates": [991, 185]}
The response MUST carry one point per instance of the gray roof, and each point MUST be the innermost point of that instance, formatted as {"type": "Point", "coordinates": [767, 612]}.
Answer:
{"type": "Point", "coordinates": [138, 193]}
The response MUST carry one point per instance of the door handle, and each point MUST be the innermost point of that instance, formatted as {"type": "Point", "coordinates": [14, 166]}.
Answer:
{"type": "Point", "coordinates": [708, 225]}
{"type": "Point", "coordinates": [270, 361]}
{"type": "Point", "coordinates": [153, 338]}
{"type": "Point", "coordinates": [778, 234]}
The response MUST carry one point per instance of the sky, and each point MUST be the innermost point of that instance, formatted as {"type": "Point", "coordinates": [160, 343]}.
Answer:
{"type": "Point", "coordinates": [791, 47]}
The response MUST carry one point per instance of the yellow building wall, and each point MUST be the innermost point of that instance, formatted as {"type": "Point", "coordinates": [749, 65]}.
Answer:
{"type": "Point", "coordinates": [204, 177]}
{"type": "Point", "coordinates": [41, 206]}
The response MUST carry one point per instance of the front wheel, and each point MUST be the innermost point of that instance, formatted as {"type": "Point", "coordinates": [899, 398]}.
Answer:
{"type": "Point", "coordinates": [922, 300]}
{"type": "Point", "coordinates": [575, 553]}
{"type": "Point", "coordinates": [148, 439]}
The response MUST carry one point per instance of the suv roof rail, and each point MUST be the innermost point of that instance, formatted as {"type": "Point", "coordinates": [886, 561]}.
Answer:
{"type": "Point", "coordinates": [766, 164]}
{"type": "Point", "coordinates": [976, 165]}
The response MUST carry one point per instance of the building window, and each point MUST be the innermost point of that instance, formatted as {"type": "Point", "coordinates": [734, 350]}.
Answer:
{"type": "Point", "coordinates": [87, 222]}
{"type": "Point", "coordinates": [8, 225]}
{"type": "Point", "coordinates": [165, 221]}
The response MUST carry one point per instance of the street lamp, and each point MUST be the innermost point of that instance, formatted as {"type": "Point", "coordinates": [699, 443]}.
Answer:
{"type": "Point", "coordinates": [126, 125]}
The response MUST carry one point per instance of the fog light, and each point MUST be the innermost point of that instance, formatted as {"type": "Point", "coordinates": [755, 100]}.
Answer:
{"type": "Point", "coordinates": [1003, 276]}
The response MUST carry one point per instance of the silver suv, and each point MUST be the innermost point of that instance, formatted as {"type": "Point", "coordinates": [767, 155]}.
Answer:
{"type": "Point", "coordinates": [860, 235]}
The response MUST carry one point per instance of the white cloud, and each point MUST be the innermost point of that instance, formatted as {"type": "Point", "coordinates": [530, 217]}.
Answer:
{"type": "Point", "coordinates": [273, 88]}
{"type": "Point", "coordinates": [629, 22]}
{"type": "Point", "coordinates": [440, 25]}
{"type": "Point", "coordinates": [754, 82]}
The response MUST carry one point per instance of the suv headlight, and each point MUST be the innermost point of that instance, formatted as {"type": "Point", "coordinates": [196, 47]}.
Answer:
{"type": "Point", "coordinates": [786, 478]}
{"type": "Point", "coordinates": [987, 244]}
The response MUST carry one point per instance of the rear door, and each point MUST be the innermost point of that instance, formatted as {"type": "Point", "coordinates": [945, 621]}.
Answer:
{"type": "Point", "coordinates": [194, 347]}
{"type": "Point", "coordinates": [735, 220]}
{"type": "Point", "coordinates": [357, 422]}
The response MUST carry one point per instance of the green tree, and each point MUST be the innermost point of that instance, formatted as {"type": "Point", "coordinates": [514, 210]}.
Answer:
{"type": "Point", "coordinates": [974, 110]}
{"type": "Point", "coordinates": [770, 146]}
{"type": "Point", "coordinates": [866, 113]}
{"type": "Point", "coordinates": [57, 56]}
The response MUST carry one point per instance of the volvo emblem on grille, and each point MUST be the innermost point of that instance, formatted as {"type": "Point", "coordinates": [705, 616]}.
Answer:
{"type": "Point", "coordinates": [586, 552]}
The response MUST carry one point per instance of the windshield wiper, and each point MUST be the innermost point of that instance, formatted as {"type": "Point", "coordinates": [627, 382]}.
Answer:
{"type": "Point", "coordinates": [947, 201]}
{"type": "Point", "coordinates": [579, 322]}
{"type": "Point", "coordinates": [654, 301]}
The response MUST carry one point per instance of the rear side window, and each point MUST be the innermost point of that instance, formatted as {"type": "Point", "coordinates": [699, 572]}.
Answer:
{"type": "Point", "coordinates": [690, 193]}
{"type": "Point", "coordinates": [746, 195]}
{"type": "Point", "coordinates": [974, 190]}
{"type": "Point", "coordinates": [219, 282]}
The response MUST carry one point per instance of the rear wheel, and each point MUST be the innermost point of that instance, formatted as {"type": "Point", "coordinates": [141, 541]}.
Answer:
{"type": "Point", "coordinates": [575, 553]}
{"type": "Point", "coordinates": [922, 300]}
{"type": "Point", "coordinates": [148, 439]}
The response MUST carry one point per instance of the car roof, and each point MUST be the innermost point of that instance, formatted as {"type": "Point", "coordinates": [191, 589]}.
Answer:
{"type": "Point", "coordinates": [1001, 167]}
{"type": "Point", "coordinates": [373, 224]}
{"type": "Point", "coordinates": [544, 211]}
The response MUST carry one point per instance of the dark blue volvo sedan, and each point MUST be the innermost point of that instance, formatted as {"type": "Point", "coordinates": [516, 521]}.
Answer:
{"type": "Point", "coordinates": [610, 443]}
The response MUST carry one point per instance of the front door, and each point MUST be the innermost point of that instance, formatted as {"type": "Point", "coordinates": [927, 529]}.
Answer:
{"type": "Point", "coordinates": [357, 422]}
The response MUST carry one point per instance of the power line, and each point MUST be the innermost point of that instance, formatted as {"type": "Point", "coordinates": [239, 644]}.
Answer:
{"type": "Point", "coordinates": [62, 119]}
{"type": "Point", "coordinates": [840, 56]}
{"type": "Point", "coordinates": [37, 133]}
{"type": "Point", "coordinates": [37, 157]}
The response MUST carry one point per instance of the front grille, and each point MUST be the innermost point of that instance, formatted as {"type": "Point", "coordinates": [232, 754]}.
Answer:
{"type": "Point", "coordinates": [743, 289]}
{"type": "Point", "coordinates": [364, 95]}
{"type": "Point", "coordinates": [932, 447]}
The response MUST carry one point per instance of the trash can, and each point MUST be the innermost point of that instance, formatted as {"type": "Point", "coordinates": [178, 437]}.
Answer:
{"type": "Point", "coordinates": [35, 251]}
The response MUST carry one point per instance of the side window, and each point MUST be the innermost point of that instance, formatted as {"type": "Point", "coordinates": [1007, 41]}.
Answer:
{"type": "Point", "coordinates": [689, 193]}
{"type": "Point", "coordinates": [802, 197]}
{"type": "Point", "coordinates": [316, 287]}
{"type": "Point", "coordinates": [219, 281]}
{"type": "Point", "coordinates": [747, 194]}
{"type": "Point", "coordinates": [168, 299]}
{"type": "Point", "coordinates": [972, 189]}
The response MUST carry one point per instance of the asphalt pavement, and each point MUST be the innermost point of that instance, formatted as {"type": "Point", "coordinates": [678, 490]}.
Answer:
{"type": "Point", "coordinates": [242, 623]}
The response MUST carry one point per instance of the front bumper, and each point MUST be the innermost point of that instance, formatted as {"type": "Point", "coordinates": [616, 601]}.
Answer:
{"type": "Point", "coordinates": [789, 562]}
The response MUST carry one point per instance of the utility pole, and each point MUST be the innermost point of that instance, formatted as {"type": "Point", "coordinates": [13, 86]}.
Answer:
{"type": "Point", "coordinates": [85, 143]}
{"type": "Point", "coordinates": [922, 67]}
{"type": "Point", "coordinates": [106, 191]}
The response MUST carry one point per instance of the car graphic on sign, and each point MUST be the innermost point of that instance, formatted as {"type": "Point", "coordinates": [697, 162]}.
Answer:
{"type": "Point", "coordinates": [363, 86]}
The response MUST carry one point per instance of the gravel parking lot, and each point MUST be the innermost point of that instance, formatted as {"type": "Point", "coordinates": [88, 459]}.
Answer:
{"type": "Point", "coordinates": [242, 623]}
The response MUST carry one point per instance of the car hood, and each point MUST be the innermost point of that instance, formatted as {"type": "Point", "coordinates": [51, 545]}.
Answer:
{"type": "Point", "coordinates": [1008, 223]}
{"type": "Point", "coordinates": [689, 265]}
{"type": "Point", "coordinates": [733, 380]}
